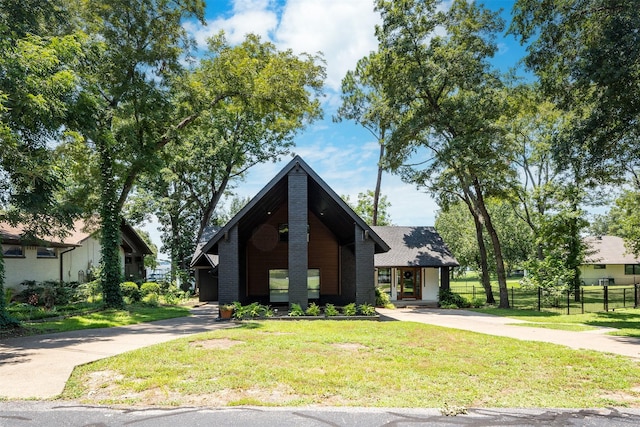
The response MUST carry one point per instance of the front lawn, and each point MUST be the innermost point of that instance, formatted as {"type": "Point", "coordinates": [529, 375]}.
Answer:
{"type": "Point", "coordinates": [357, 363]}
{"type": "Point", "coordinates": [625, 322]}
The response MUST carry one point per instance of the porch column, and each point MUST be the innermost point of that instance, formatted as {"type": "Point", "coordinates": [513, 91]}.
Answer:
{"type": "Point", "coordinates": [229, 268]}
{"type": "Point", "coordinates": [365, 250]}
{"type": "Point", "coordinates": [445, 283]}
{"type": "Point", "coordinates": [298, 232]}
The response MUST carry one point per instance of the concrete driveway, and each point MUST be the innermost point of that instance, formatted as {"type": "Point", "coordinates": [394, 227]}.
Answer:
{"type": "Point", "coordinates": [39, 366]}
{"type": "Point", "coordinates": [502, 326]}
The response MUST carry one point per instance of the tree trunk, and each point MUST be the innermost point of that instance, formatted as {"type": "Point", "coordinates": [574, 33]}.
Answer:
{"type": "Point", "coordinates": [484, 263]}
{"type": "Point", "coordinates": [376, 193]}
{"type": "Point", "coordinates": [497, 249]}
{"type": "Point", "coordinates": [110, 228]}
{"type": "Point", "coordinates": [485, 280]}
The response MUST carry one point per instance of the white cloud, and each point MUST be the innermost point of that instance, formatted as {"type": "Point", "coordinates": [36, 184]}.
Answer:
{"type": "Point", "coordinates": [342, 30]}
{"type": "Point", "coordinates": [247, 16]}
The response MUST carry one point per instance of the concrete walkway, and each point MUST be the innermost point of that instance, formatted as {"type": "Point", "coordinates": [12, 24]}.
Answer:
{"type": "Point", "coordinates": [39, 366]}
{"type": "Point", "coordinates": [500, 326]}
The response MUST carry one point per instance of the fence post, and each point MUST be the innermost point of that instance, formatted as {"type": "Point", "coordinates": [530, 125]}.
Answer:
{"type": "Point", "coordinates": [568, 301]}
{"type": "Point", "coordinates": [606, 297]}
{"type": "Point", "coordinates": [582, 299]}
{"type": "Point", "coordinates": [539, 297]}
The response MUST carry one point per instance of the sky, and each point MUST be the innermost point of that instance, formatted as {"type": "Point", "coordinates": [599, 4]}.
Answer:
{"type": "Point", "coordinates": [343, 154]}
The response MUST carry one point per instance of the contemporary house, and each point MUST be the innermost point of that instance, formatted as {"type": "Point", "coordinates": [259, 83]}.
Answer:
{"type": "Point", "coordinates": [47, 258]}
{"type": "Point", "coordinates": [417, 265]}
{"type": "Point", "coordinates": [297, 241]}
{"type": "Point", "coordinates": [608, 262]}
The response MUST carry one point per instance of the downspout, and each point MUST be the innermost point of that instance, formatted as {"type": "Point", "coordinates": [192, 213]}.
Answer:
{"type": "Point", "coordinates": [62, 269]}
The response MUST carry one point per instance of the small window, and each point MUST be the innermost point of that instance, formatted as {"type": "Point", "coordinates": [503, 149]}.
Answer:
{"type": "Point", "coordinates": [599, 267]}
{"type": "Point", "coordinates": [12, 251]}
{"type": "Point", "coordinates": [46, 252]}
{"type": "Point", "coordinates": [283, 232]}
{"type": "Point", "coordinates": [631, 269]}
{"type": "Point", "coordinates": [384, 280]}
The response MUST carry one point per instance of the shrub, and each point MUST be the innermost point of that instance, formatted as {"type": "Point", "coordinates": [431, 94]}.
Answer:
{"type": "Point", "coordinates": [382, 299]}
{"type": "Point", "coordinates": [151, 299]}
{"type": "Point", "coordinates": [349, 309]}
{"type": "Point", "coordinates": [331, 310]}
{"type": "Point", "coordinates": [296, 310]}
{"type": "Point", "coordinates": [313, 310]}
{"type": "Point", "coordinates": [87, 291]}
{"type": "Point", "coordinates": [251, 311]}
{"type": "Point", "coordinates": [130, 291]}
{"type": "Point", "coordinates": [448, 299]}
{"type": "Point", "coordinates": [477, 302]}
{"type": "Point", "coordinates": [366, 310]}
{"type": "Point", "coordinates": [149, 287]}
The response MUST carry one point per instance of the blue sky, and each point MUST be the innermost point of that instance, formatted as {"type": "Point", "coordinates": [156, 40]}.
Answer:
{"type": "Point", "coordinates": [343, 154]}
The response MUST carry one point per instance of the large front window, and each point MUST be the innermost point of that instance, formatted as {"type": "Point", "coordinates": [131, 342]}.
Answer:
{"type": "Point", "coordinates": [15, 251]}
{"type": "Point", "coordinates": [279, 284]}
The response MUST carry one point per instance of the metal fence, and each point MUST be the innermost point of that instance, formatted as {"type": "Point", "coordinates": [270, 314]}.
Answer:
{"type": "Point", "coordinates": [592, 298]}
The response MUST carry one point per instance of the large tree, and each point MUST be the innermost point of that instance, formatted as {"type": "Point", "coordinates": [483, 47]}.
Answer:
{"type": "Point", "coordinates": [437, 74]}
{"type": "Point", "coordinates": [36, 88]}
{"type": "Point", "coordinates": [363, 102]}
{"type": "Point", "coordinates": [586, 54]}
{"type": "Point", "coordinates": [278, 96]}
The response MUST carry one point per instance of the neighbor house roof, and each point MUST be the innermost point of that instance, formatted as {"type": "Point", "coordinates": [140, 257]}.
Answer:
{"type": "Point", "coordinates": [73, 237]}
{"type": "Point", "coordinates": [322, 201]}
{"type": "Point", "coordinates": [608, 250]}
{"type": "Point", "coordinates": [413, 246]}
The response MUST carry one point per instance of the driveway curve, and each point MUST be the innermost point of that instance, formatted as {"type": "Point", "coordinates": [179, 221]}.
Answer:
{"type": "Point", "coordinates": [503, 326]}
{"type": "Point", "coordinates": [39, 366]}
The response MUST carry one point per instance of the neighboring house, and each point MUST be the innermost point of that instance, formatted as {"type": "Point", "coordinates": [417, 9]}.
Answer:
{"type": "Point", "coordinates": [417, 265]}
{"type": "Point", "coordinates": [298, 241]}
{"type": "Point", "coordinates": [608, 262]}
{"type": "Point", "coordinates": [69, 259]}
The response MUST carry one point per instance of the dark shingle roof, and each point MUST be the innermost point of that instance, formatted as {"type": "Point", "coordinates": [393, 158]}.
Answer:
{"type": "Point", "coordinates": [413, 246]}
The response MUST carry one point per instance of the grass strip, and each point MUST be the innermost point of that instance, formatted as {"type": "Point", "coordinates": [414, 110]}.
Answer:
{"type": "Point", "coordinates": [109, 318]}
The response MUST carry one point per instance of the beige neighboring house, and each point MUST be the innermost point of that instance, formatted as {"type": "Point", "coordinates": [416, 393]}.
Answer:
{"type": "Point", "coordinates": [608, 262]}
{"type": "Point", "coordinates": [70, 259]}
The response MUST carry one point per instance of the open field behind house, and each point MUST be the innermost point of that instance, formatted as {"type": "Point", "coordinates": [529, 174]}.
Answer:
{"type": "Point", "coordinates": [357, 363]}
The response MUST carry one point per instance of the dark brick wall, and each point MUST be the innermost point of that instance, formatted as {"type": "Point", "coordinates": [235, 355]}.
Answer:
{"type": "Point", "coordinates": [298, 245]}
{"type": "Point", "coordinates": [365, 272]}
{"type": "Point", "coordinates": [348, 276]}
{"type": "Point", "coordinates": [229, 269]}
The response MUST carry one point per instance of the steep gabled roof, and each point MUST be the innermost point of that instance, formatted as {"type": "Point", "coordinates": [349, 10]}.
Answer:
{"type": "Point", "coordinates": [323, 202]}
{"type": "Point", "coordinates": [608, 250]}
{"type": "Point", "coordinates": [413, 246]}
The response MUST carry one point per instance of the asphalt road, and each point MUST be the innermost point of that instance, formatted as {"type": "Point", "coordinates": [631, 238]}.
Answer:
{"type": "Point", "coordinates": [53, 414]}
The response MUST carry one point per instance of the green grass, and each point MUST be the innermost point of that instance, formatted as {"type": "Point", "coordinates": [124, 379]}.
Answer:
{"type": "Point", "coordinates": [626, 322]}
{"type": "Point", "coordinates": [109, 318]}
{"type": "Point", "coordinates": [352, 363]}
{"type": "Point", "coordinates": [574, 327]}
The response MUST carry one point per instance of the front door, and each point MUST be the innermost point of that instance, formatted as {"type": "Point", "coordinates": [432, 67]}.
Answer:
{"type": "Point", "coordinates": [409, 283]}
